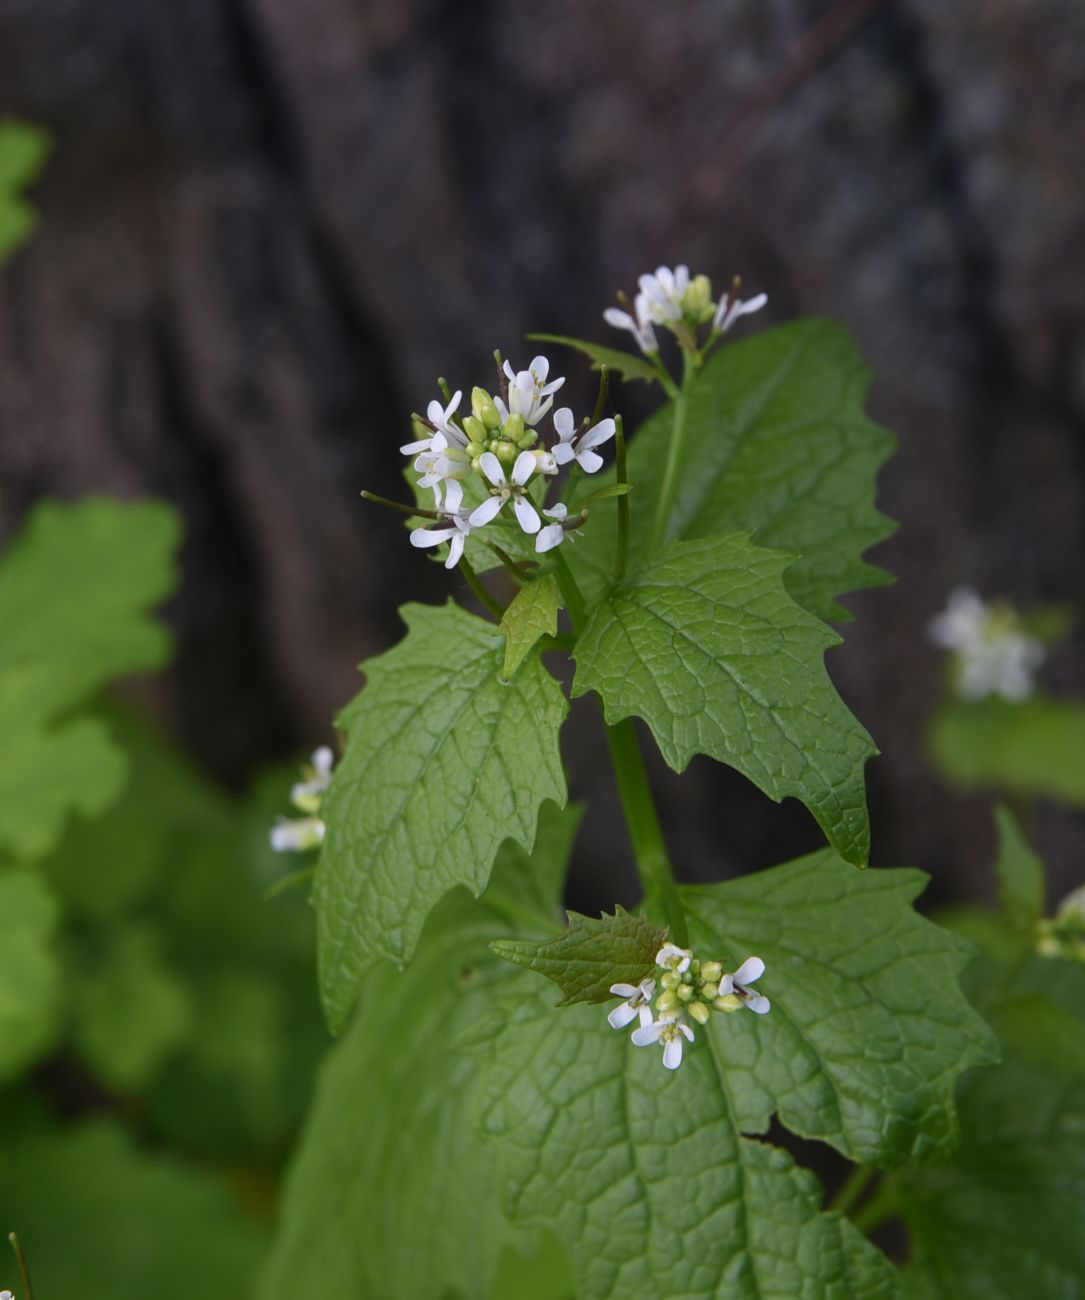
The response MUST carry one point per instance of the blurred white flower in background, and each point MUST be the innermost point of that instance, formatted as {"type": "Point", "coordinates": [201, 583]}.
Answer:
{"type": "Point", "coordinates": [994, 655]}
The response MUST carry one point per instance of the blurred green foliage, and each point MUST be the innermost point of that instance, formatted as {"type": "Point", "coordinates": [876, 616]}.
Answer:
{"type": "Point", "coordinates": [23, 151]}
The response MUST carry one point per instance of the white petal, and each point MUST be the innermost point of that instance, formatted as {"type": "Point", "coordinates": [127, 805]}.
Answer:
{"type": "Point", "coordinates": [564, 422]}
{"type": "Point", "coordinates": [435, 413]}
{"type": "Point", "coordinates": [590, 461]}
{"type": "Point", "coordinates": [523, 468]}
{"type": "Point", "coordinates": [552, 386]}
{"type": "Point", "coordinates": [624, 990]}
{"type": "Point", "coordinates": [563, 452]}
{"type": "Point", "coordinates": [492, 468]}
{"type": "Point", "coordinates": [527, 515]}
{"type": "Point", "coordinates": [559, 511]}
{"type": "Point", "coordinates": [646, 1035]}
{"type": "Point", "coordinates": [686, 1029]}
{"type": "Point", "coordinates": [751, 969]}
{"type": "Point", "coordinates": [754, 304]}
{"type": "Point", "coordinates": [549, 537]}
{"type": "Point", "coordinates": [412, 448]}
{"type": "Point", "coordinates": [430, 536]}
{"type": "Point", "coordinates": [455, 550]}
{"type": "Point", "coordinates": [645, 1013]}
{"type": "Point", "coordinates": [323, 760]}
{"type": "Point", "coordinates": [509, 371]}
{"type": "Point", "coordinates": [727, 985]}
{"type": "Point", "coordinates": [622, 1015]}
{"type": "Point", "coordinates": [540, 368]}
{"type": "Point", "coordinates": [598, 434]}
{"type": "Point", "coordinates": [453, 496]}
{"type": "Point", "coordinates": [672, 1053]}
{"type": "Point", "coordinates": [481, 515]}
{"type": "Point", "coordinates": [758, 1003]}
{"type": "Point", "coordinates": [621, 320]}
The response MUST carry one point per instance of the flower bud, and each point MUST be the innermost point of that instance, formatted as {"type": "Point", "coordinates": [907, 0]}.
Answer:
{"type": "Point", "coordinates": [514, 427]}
{"type": "Point", "coordinates": [482, 404]}
{"type": "Point", "coordinates": [475, 429]}
{"type": "Point", "coordinates": [729, 1002]}
{"type": "Point", "coordinates": [667, 1001]}
{"type": "Point", "coordinates": [684, 993]}
{"type": "Point", "coordinates": [711, 971]}
{"type": "Point", "coordinates": [697, 301]}
{"type": "Point", "coordinates": [528, 438]}
{"type": "Point", "coordinates": [710, 990]}
{"type": "Point", "coordinates": [671, 980]}
{"type": "Point", "coordinates": [506, 451]}
{"type": "Point", "coordinates": [699, 1012]}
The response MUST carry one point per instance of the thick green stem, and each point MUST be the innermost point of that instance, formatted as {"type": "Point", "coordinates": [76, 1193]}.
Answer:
{"type": "Point", "coordinates": [621, 553]}
{"type": "Point", "coordinates": [641, 819]}
{"type": "Point", "coordinates": [853, 1188]}
{"type": "Point", "coordinates": [480, 591]}
{"type": "Point", "coordinates": [674, 453]}
{"type": "Point", "coordinates": [881, 1207]}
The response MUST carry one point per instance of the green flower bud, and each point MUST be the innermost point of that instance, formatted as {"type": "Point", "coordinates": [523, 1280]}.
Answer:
{"type": "Point", "coordinates": [671, 980]}
{"type": "Point", "coordinates": [483, 406]}
{"type": "Point", "coordinates": [710, 990]}
{"type": "Point", "coordinates": [667, 1001]}
{"type": "Point", "coordinates": [685, 993]}
{"type": "Point", "coordinates": [699, 1012]}
{"type": "Point", "coordinates": [729, 1002]}
{"type": "Point", "coordinates": [527, 439]}
{"type": "Point", "coordinates": [475, 429]}
{"type": "Point", "coordinates": [711, 971]}
{"type": "Point", "coordinates": [514, 428]}
{"type": "Point", "coordinates": [506, 451]}
{"type": "Point", "coordinates": [697, 301]}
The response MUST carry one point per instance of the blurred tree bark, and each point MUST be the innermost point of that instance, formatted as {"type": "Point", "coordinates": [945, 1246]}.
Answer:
{"type": "Point", "coordinates": [269, 224]}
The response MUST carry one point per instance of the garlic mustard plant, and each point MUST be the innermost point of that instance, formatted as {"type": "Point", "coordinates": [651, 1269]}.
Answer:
{"type": "Point", "coordinates": [298, 834]}
{"type": "Point", "coordinates": [993, 655]}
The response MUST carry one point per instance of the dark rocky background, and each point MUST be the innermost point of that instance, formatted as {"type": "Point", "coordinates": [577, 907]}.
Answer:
{"type": "Point", "coordinates": [268, 224]}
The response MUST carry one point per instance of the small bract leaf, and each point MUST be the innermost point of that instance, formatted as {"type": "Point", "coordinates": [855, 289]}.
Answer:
{"type": "Point", "coordinates": [591, 955]}
{"type": "Point", "coordinates": [533, 613]}
{"type": "Point", "coordinates": [705, 645]}
{"type": "Point", "coordinates": [445, 761]}
{"type": "Point", "coordinates": [1022, 884]}
{"type": "Point", "coordinates": [626, 364]}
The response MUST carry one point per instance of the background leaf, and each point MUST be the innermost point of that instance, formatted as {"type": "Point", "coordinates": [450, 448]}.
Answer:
{"type": "Point", "coordinates": [706, 646]}
{"type": "Point", "coordinates": [776, 445]}
{"type": "Point", "coordinates": [23, 151]}
{"type": "Point", "coordinates": [1022, 889]}
{"type": "Point", "coordinates": [445, 761]}
{"type": "Point", "coordinates": [627, 364]}
{"type": "Point", "coordinates": [29, 970]}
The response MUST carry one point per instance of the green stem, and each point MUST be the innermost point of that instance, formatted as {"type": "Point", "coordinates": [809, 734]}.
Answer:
{"type": "Point", "coordinates": [479, 590]}
{"type": "Point", "coordinates": [852, 1189]}
{"type": "Point", "coordinates": [570, 592]}
{"type": "Point", "coordinates": [622, 552]}
{"type": "Point", "coordinates": [20, 1258]}
{"type": "Point", "coordinates": [881, 1207]}
{"type": "Point", "coordinates": [517, 571]}
{"type": "Point", "coordinates": [645, 831]}
{"type": "Point", "coordinates": [674, 453]}
{"type": "Point", "coordinates": [402, 508]}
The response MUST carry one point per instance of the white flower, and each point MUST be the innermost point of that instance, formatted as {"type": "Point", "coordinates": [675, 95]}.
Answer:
{"type": "Point", "coordinates": [298, 835]}
{"type": "Point", "coordinates": [664, 292]}
{"type": "Point", "coordinates": [637, 999]}
{"type": "Point", "coordinates": [529, 393]}
{"type": "Point", "coordinates": [441, 419]}
{"type": "Point", "coordinates": [674, 958]}
{"type": "Point", "coordinates": [307, 794]}
{"type": "Point", "coordinates": [440, 463]}
{"type": "Point", "coordinates": [6, 1295]}
{"type": "Point", "coordinates": [505, 489]}
{"type": "Point", "coordinates": [456, 533]}
{"type": "Point", "coordinates": [669, 1031]}
{"type": "Point", "coordinates": [731, 307]}
{"type": "Point", "coordinates": [736, 985]}
{"type": "Point", "coordinates": [994, 657]}
{"type": "Point", "coordinates": [569, 447]}
{"type": "Point", "coordinates": [640, 325]}
{"type": "Point", "coordinates": [553, 534]}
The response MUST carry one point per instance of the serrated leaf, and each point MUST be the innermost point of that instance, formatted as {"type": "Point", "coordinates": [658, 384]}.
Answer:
{"type": "Point", "coordinates": [643, 1174]}
{"type": "Point", "coordinates": [705, 645]}
{"type": "Point", "coordinates": [445, 761]}
{"type": "Point", "coordinates": [29, 971]}
{"type": "Point", "coordinates": [391, 1133]}
{"type": "Point", "coordinates": [102, 1219]}
{"type": "Point", "coordinates": [776, 444]}
{"type": "Point", "coordinates": [1003, 1218]}
{"type": "Point", "coordinates": [591, 955]}
{"type": "Point", "coordinates": [626, 364]}
{"type": "Point", "coordinates": [1022, 882]}
{"type": "Point", "coordinates": [1033, 748]}
{"type": "Point", "coordinates": [532, 613]}
{"type": "Point", "coordinates": [868, 1030]}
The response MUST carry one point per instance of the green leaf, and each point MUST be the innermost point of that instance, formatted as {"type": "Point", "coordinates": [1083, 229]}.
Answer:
{"type": "Point", "coordinates": [626, 364]}
{"type": "Point", "coordinates": [29, 971]}
{"type": "Point", "coordinates": [776, 444]}
{"type": "Point", "coordinates": [705, 645]}
{"type": "Point", "coordinates": [1022, 883]}
{"type": "Point", "coordinates": [392, 1194]}
{"type": "Point", "coordinates": [445, 761]}
{"type": "Point", "coordinates": [1003, 1219]}
{"type": "Point", "coordinates": [591, 955]}
{"type": "Point", "coordinates": [1033, 748]}
{"type": "Point", "coordinates": [131, 1011]}
{"type": "Point", "coordinates": [533, 613]}
{"type": "Point", "coordinates": [527, 886]}
{"type": "Point", "coordinates": [100, 1218]}
{"type": "Point", "coordinates": [868, 1029]}
{"type": "Point", "coordinates": [643, 1174]}
{"type": "Point", "coordinates": [23, 150]}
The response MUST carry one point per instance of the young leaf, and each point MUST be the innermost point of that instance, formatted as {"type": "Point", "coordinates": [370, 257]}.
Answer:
{"type": "Point", "coordinates": [868, 1029]}
{"type": "Point", "coordinates": [1022, 884]}
{"type": "Point", "coordinates": [776, 444]}
{"type": "Point", "coordinates": [445, 761]}
{"type": "Point", "coordinates": [532, 614]}
{"type": "Point", "coordinates": [626, 364]}
{"type": "Point", "coordinates": [29, 971]}
{"type": "Point", "coordinates": [1003, 1218]}
{"type": "Point", "coordinates": [1036, 747]}
{"type": "Point", "coordinates": [643, 1173]}
{"type": "Point", "coordinates": [705, 645]}
{"type": "Point", "coordinates": [591, 955]}
{"type": "Point", "coordinates": [391, 1135]}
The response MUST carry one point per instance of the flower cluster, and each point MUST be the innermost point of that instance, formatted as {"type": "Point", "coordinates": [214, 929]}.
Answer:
{"type": "Point", "coordinates": [1063, 935]}
{"type": "Point", "coordinates": [672, 299]}
{"type": "Point", "coordinates": [499, 450]}
{"type": "Point", "coordinates": [295, 835]}
{"type": "Point", "coordinates": [689, 990]}
{"type": "Point", "coordinates": [994, 656]}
